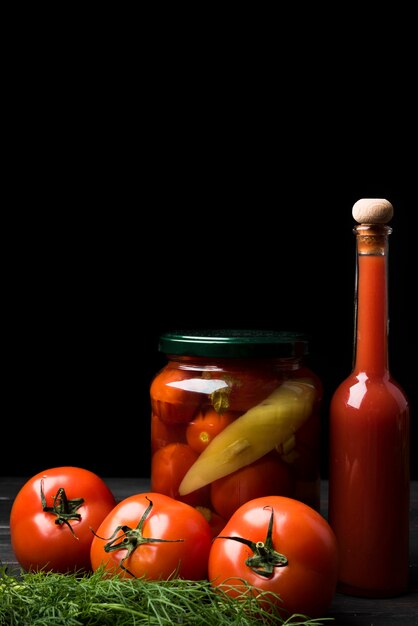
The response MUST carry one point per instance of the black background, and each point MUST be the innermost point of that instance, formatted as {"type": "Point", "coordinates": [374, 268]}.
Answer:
{"type": "Point", "coordinates": [89, 301]}
{"type": "Point", "coordinates": [185, 191]}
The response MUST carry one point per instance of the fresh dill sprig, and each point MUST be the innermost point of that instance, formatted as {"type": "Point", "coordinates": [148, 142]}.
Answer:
{"type": "Point", "coordinates": [52, 599]}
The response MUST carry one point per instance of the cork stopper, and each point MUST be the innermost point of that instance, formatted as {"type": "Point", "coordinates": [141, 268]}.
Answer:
{"type": "Point", "coordinates": [372, 211]}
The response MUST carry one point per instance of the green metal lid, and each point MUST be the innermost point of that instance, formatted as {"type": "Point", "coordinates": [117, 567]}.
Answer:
{"type": "Point", "coordinates": [234, 343]}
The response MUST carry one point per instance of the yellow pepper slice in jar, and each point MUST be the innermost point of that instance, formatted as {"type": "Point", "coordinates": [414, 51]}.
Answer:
{"type": "Point", "coordinates": [258, 431]}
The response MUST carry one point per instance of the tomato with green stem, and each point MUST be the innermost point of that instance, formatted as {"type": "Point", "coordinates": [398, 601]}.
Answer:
{"type": "Point", "coordinates": [280, 546]}
{"type": "Point", "coordinates": [154, 536]}
{"type": "Point", "coordinates": [52, 516]}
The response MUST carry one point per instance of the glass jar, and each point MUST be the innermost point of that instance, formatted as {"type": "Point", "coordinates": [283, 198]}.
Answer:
{"type": "Point", "coordinates": [235, 416]}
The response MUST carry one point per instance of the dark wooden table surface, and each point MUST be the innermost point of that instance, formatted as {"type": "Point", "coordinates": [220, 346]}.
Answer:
{"type": "Point", "coordinates": [346, 610]}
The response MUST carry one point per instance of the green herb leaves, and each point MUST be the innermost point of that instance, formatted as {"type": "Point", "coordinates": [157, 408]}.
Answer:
{"type": "Point", "coordinates": [51, 599]}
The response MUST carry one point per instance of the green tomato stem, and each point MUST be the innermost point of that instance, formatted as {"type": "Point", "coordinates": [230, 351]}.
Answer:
{"type": "Point", "coordinates": [265, 558]}
{"type": "Point", "coordinates": [64, 509]}
{"type": "Point", "coordinates": [131, 538]}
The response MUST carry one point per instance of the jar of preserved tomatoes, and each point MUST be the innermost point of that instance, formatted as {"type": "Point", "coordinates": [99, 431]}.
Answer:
{"type": "Point", "coordinates": [235, 416]}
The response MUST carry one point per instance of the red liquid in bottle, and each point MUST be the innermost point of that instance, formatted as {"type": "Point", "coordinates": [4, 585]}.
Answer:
{"type": "Point", "coordinates": [369, 443]}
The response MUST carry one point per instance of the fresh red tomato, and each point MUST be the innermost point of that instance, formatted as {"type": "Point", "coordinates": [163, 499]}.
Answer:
{"type": "Point", "coordinates": [168, 468]}
{"type": "Point", "coordinates": [172, 395]}
{"type": "Point", "coordinates": [205, 426]}
{"type": "Point", "coordinates": [279, 545]}
{"type": "Point", "coordinates": [52, 517]}
{"type": "Point", "coordinates": [267, 476]}
{"type": "Point", "coordinates": [154, 536]}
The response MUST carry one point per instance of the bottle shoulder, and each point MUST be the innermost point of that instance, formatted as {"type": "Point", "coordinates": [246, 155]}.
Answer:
{"type": "Point", "coordinates": [367, 392]}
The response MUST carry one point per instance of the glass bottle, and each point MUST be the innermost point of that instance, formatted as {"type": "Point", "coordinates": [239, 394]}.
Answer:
{"type": "Point", "coordinates": [235, 416]}
{"type": "Point", "coordinates": [369, 432]}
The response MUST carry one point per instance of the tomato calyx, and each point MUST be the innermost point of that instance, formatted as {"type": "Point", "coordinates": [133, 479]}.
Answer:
{"type": "Point", "coordinates": [63, 508]}
{"type": "Point", "coordinates": [265, 557]}
{"type": "Point", "coordinates": [132, 538]}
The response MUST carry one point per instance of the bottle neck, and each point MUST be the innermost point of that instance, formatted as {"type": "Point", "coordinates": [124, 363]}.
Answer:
{"type": "Point", "coordinates": [371, 300]}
